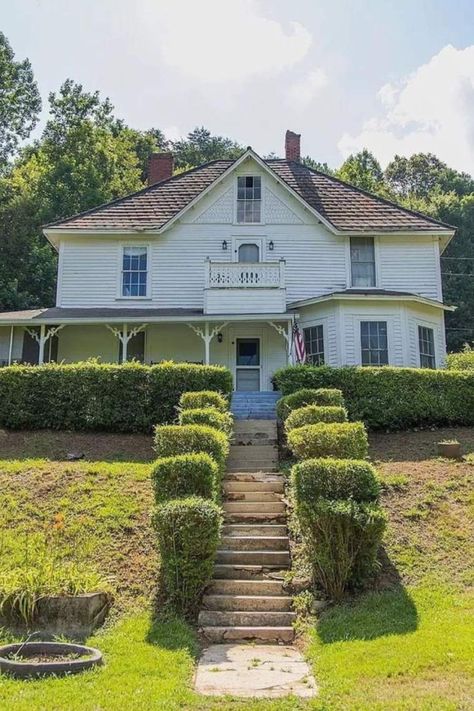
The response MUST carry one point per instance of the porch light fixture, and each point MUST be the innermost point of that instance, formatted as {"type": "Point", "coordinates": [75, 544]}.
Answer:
{"type": "Point", "coordinates": [224, 245]}
{"type": "Point", "coordinates": [271, 246]}
{"type": "Point", "coordinates": [220, 337]}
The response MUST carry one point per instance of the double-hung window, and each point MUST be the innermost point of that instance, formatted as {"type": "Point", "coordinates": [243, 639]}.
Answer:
{"type": "Point", "coordinates": [314, 344]}
{"type": "Point", "coordinates": [249, 198]}
{"type": "Point", "coordinates": [362, 261]}
{"type": "Point", "coordinates": [134, 271]}
{"type": "Point", "coordinates": [374, 343]}
{"type": "Point", "coordinates": [426, 346]}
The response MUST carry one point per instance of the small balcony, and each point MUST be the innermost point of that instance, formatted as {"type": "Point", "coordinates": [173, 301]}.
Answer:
{"type": "Point", "coordinates": [245, 287]}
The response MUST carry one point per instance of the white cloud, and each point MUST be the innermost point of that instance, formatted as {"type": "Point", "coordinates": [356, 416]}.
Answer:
{"type": "Point", "coordinates": [302, 92]}
{"type": "Point", "coordinates": [220, 41]}
{"type": "Point", "coordinates": [431, 110]}
{"type": "Point", "coordinates": [173, 133]}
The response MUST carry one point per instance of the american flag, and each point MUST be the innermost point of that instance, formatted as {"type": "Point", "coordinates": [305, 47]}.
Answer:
{"type": "Point", "coordinates": [298, 345]}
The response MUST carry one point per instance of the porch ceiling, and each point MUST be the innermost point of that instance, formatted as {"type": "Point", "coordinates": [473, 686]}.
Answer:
{"type": "Point", "coordinates": [79, 316]}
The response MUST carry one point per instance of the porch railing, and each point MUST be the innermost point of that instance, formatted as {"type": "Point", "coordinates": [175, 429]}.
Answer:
{"type": "Point", "coordinates": [242, 275]}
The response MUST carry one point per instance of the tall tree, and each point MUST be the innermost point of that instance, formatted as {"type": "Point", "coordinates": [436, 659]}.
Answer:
{"type": "Point", "coordinates": [363, 171]}
{"type": "Point", "coordinates": [423, 175]}
{"type": "Point", "coordinates": [201, 146]}
{"type": "Point", "coordinates": [20, 101]}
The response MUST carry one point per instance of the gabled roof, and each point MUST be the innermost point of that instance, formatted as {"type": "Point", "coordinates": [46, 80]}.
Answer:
{"type": "Point", "coordinates": [342, 207]}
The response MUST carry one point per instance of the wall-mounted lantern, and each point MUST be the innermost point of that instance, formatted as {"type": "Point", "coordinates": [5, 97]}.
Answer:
{"type": "Point", "coordinates": [271, 246]}
{"type": "Point", "coordinates": [220, 337]}
{"type": "Point", "coordinates": [224, 245]}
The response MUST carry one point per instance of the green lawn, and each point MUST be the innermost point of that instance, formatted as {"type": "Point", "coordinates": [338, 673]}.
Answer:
{"type": "Point", "coordinates": [407, 645]}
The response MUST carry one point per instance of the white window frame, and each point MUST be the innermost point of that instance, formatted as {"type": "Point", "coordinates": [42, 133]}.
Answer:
{"type": "Point", "coordinates": [357, 320]}
{"type": "Point", "coordinates": [236, 195]}
{"type": "Point", "coordinates": [316, 325]}
{"type": "Point", "coordinates": [378, 281]}
{"type": "Point", "coordinates": [120, 295]}
{"type": "Point", "coordinates": [431, 328]}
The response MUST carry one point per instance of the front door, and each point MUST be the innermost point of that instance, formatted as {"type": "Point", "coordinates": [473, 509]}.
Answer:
{"type": "Point", "coordinates": [247, 374]}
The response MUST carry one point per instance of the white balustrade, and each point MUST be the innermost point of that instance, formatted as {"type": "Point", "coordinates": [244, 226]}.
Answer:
{"type": "Point", "coordinates": [242, 275]}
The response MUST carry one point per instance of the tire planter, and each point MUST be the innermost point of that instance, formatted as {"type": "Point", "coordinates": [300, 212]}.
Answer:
{"type": "Point", "coordinates": [29, 670]}
{"type": "Point", "coordinates": [449, 450]}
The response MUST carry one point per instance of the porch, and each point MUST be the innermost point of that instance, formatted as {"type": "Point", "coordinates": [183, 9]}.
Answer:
{"type": "Point", "coordinates": [253, 347]}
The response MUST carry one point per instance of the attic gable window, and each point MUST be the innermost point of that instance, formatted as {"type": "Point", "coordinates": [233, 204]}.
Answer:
{"type": "Point", "coordinates": [249, 198]}
{"type": "Point", "coordinates": [134, 272]}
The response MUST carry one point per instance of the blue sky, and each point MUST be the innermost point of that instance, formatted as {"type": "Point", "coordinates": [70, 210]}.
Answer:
{"type": "Point", "coordinates": [395, 76]}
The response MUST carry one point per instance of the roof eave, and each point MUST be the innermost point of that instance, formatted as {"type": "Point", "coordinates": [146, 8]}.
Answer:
{"type": "Point", "coordinates": [371, 297]}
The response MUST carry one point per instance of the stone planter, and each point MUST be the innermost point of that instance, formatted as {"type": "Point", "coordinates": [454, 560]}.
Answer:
{"type": "Point", "coordinates": [22, 668]}
{"type": "Point", "coordinates": [449, 450]}
{"type": "Point", "coordinates": [75, 616]}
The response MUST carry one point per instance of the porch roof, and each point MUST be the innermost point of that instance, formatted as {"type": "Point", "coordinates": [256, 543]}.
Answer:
{"type": "Point", "coordinates": [59, 315]}
{"type": "Point", "coordinates": [373, 295]}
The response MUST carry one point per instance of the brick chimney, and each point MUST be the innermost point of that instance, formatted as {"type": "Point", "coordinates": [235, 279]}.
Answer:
{"type": "Point", "coordinates": [160, 167]}
{"type": "Point", "coordinates": [292, 146]}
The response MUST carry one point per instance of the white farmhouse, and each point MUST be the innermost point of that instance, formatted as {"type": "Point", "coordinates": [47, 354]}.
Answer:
{"type": "Point", "coordinates": [215, 265]}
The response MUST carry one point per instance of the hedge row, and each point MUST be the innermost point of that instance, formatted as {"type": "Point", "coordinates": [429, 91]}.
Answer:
{"type": "Point", "coordinates": [391, 398]}
{"type": "Point", "coordinates": [186, 476]}
{"type": "Point", "coordinates": [92, 396]}
{"type": "Point", "coordinates": [312, 414]}
{"type": "Point", "coordinates": [464, 360]}
{"type": "Point", "coordinates": [338, 439]}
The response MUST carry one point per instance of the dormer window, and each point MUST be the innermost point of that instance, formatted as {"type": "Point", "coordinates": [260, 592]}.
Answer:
{"type": "Point", "coordinates": [134, 272]}
{"type": "Point", "coordinates": [249, 198]}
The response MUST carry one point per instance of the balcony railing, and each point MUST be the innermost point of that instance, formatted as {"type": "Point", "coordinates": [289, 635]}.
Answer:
{"type": "Point", "coordinates": [245, 275]}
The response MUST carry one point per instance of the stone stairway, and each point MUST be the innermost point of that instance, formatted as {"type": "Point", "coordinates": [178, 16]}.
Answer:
{"type": "Point", "coordinates": [246, 600]}
{"type": "Point", "coordinates": [254, 405]}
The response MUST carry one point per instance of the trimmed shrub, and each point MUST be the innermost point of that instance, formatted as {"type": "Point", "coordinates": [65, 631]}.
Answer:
{"type": "Point", "coordinates": [343, 440]}
{"type": "Point", "coordinates": [464, 360]}
{"type": "Point", "coordinates": [194, 474]}
{"type": "Point", "coordinates": [207, 416]}
{"type": "Point", "coordinates": [335, 479]}
{"type": "Point", "coordinates": [203, 398]}
{"type": "Point", "coordinates": [308, 396]}
{"type": "Point", "coordinates": [94, 396]}
{"type": "Point", "coordinates": [342, 540]}
{"type": "Point", "coordinates": [188, 535]}
{"type": "Point", "coordinates": [391, 398]}
{"type": "Point", "coordinates": [171, 440]}
{"type": "Point", "coordinates": [312, 414]}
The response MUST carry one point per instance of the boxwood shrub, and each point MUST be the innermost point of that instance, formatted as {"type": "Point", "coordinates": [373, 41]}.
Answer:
{"type": "Point", "coordinates": [188, 535]}
{"type": "Point", "coordinates": [329, 478]}
{"type": "Point", "coordinates": [203, 398]}
{"type": "Point", "coordinates": [464, 360]}
{"type": "Point", "coordinates": [171, 440]}
{"type": "Point", "coordinates": [193, 474]}
{"type": "Point", "coordinates": [312, 414]}
{"type": "Point", "coordinates": [343, 440]}
{"type": "Point", "coordinates": [391, 398]}
{"type": "Point", "coordinates": [93, 396]}
{"type": "Point", "coordinates": [207, 416]}
{"type": "Point", "coordinates": [308, 396]}
{"type": "Point", "coordinates": [342, 539]}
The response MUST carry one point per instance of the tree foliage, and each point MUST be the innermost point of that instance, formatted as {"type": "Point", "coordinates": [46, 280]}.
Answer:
{"type": "Point", "coordinates": [20, 101]}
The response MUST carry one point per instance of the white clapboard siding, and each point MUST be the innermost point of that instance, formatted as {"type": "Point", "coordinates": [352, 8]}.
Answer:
{"type": "Point", "coordinates": [410, 264]}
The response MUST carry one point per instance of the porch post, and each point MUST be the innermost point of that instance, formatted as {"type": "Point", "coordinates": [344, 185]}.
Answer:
{"type": "Point", "coordinates": [207, 343]}
{"type": "Point", "coordinates": [41, 342]}
{"type": "Point", "coordinates": [10, 348]}
{"type": "Point", "coordinates": [207, 336]}
{"type": "Point", "coordinates": [124, 340]}
{"type": "Point", "coordinates": [290, 343]}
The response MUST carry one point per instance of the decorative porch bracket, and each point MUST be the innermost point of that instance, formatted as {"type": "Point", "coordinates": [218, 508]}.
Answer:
{"type": "Point", "coordinates": [42, 337]}
{"type": "Point", "coordinates": [207, 336]}
{"type": "Point", "coordinates": [287, 334]}
{"type": "Point", "coordinates": [124, 335]}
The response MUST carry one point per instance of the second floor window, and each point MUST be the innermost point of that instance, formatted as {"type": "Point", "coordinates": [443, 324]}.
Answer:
{"type": "Point", "coordinates": [134, 271]}
{"type": "Point", "coordinates": [249, 198]}
{"type": "Point", "coordinates": [362, 261]}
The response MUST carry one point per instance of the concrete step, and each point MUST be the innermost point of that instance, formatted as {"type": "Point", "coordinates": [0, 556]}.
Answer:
{"type": "Point", "coordinates": [255, 518]}
{"type": "Point", "coordinates": [266, 426]}
{"type": "Point", "coordinates": [254, 476]}
{"type": "Point", "coordinates": [242, 618]}
{"type": "Point", "coordinates": [258, 557]}
{"type": "Point", "coordinates": [248, 603]}
{"type": "Point", "coordinates": [225, 586]}
{"type": "Point", "coordinates": [251, 495]}
{"type": "Point", "coordinates": [265, 635]}
{"type": "Point", "coordinates": [231, 487]}
{"type": "Point", "coordinates": [254, 506]}
{"type": "Point", "coordinates": [251, 468]}
{"type": "Point", "coordinates": [248, 572]}
{"type": "Point", "coordinates": [253, 440]}
{"type": "Point", "coordinates": [253, 543]}
{"type": "Point", "coordinates": [256, 451]}
{"type": "Point", "coordinates": [252, 529]}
